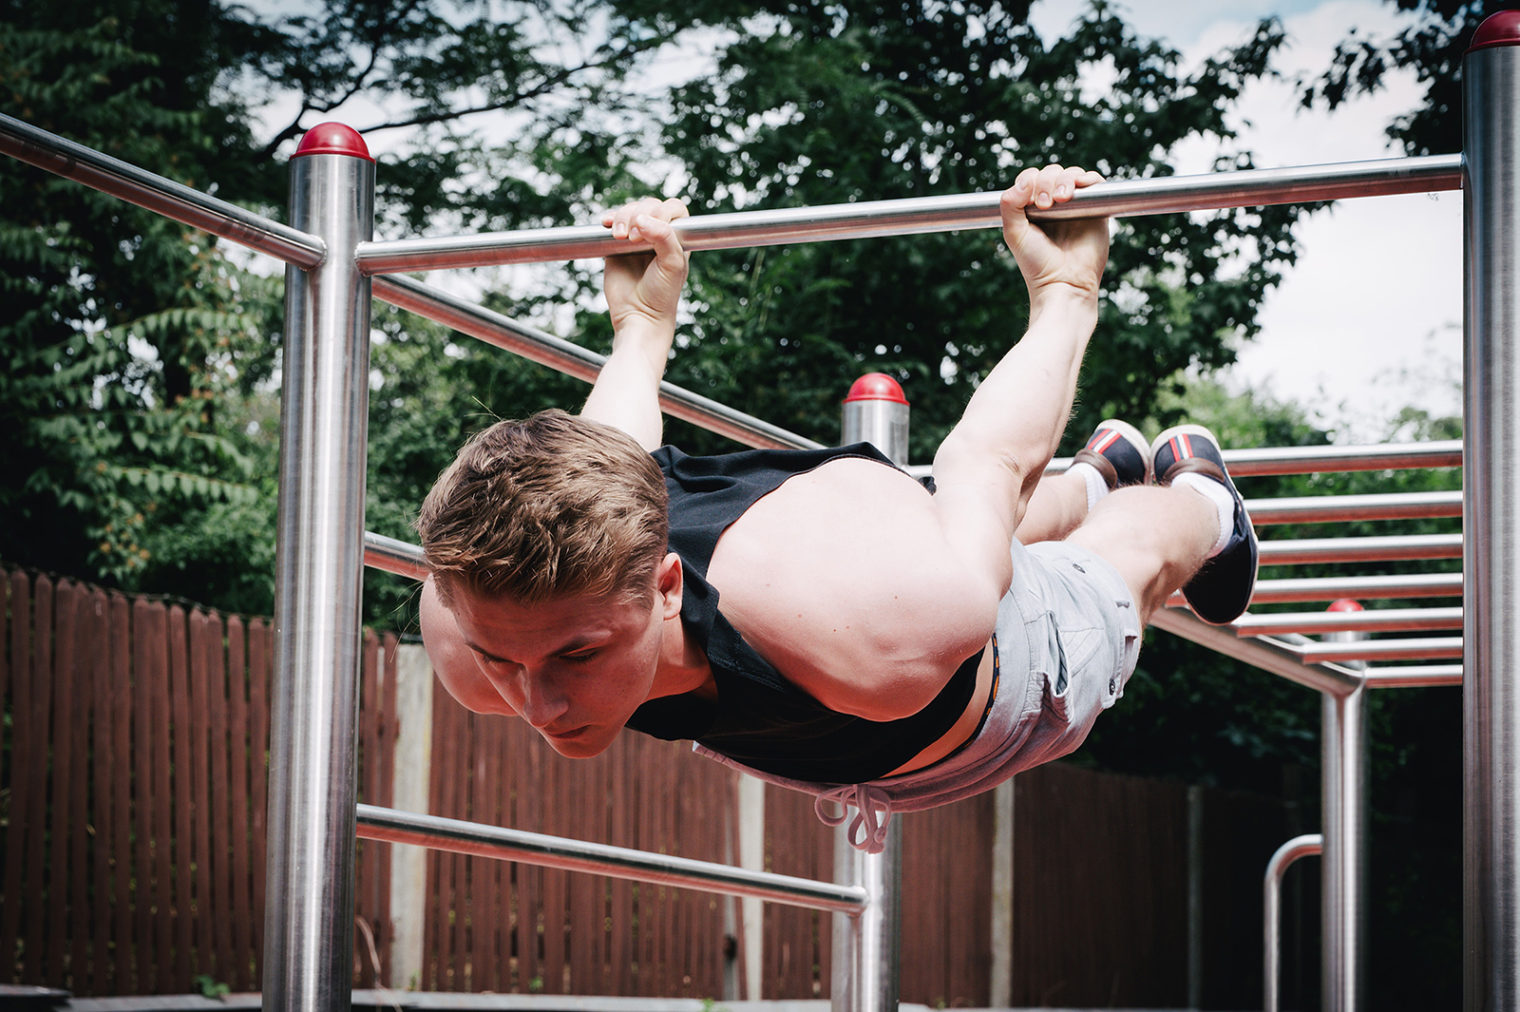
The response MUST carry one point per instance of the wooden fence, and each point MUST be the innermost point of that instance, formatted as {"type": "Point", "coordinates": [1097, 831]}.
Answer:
{"type": "Point", "coordinates": [132, 780]}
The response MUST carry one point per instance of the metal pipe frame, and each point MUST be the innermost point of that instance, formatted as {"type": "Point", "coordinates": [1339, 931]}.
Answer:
{"type": "Point", "coordinates": [1316, 622]}
{"type": "Point", "coordinates": [1325, 509]}
{"type": "Point", "coordinates": [1308, 845]}
{"type": "Point", "coordinates": [1438, 648]}
{"type": "Point", "coordinates": [313, 747]}
{"type": "Point", "coordinates": [1270, 654]}
{"type": "Point", "coordinates": [1271, 460]}
{"type": "Point", "coordinates": [544, 348]}
{"type": "Point", "coordinates": [62, 157]}
{"type": "Point", "coordinates": [919, 215]}
{"type": "Point", "coordinates": [1491, 633]}
{"type": "Point", "coordinates": [414, 828]}
{"type": "Point", "coordinates": [1392, 548]}
{"type": "Point", "coordinates": [1297, 591]}
{"type": "Point", "coordinates": [1415, 676]}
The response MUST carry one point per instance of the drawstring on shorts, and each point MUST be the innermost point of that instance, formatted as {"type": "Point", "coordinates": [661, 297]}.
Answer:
{"type": "Point", "coordinates": [868, 830]}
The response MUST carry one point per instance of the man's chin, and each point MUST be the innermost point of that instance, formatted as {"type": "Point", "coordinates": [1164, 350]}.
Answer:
{"type": "Point", "coordinates": [581, 743]}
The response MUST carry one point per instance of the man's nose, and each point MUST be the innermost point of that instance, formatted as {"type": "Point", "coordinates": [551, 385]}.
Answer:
{"type": "Point", "coordinates": [542, 701]}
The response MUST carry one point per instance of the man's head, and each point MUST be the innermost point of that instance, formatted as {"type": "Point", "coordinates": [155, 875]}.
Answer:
{"type": "Point", "coordinates": [545, 508]}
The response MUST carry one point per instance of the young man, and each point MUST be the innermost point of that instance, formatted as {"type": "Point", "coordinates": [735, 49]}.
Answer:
{"type": "Point", "coordinates": [817, 617]}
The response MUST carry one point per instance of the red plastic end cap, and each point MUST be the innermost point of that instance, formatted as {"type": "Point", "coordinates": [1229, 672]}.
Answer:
{"type": "Point", "coordinates": [1345, 604]}
{"type": "Point", "coordinates": [1501, 29]}
{"type": "Point", "coordinates": [333, 139]}
{"type": "Point", "coordinates": [876, 386]}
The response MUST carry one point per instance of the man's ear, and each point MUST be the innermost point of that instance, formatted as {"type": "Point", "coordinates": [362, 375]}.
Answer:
{"type": "Point", "coordinates": [668, 582]}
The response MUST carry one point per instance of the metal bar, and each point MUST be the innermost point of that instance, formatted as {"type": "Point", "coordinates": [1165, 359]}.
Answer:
{"type": "Point", "coordinates": [1299, 847]}
{"type": "Point", "coordinates": [919, 215]}
{"type": "Point", "coordinates": [392, 556]}
{"type": "Point", "coordinates": [1299, 591]}
{"type": "Point", "coordinates": [1343, 790]}
{"type": "Point", "coordinates": [1491, 427]}
{"type": "Point", "coordinates": [392, 826]}
{"type": "Point", "coordinates": [556, 353]}
{"type": "Point", "coordinates": [868, 945]}
{"type": "Point", "coordinates": [308, 917]}
{"type": "Point", "coordinates": [1424, 649]}
{"type": "Point", "coordinates": [1319, 509]}
{"type": "Point", "coordinates": [1392, 548]}
{"type": "Point", "coordinates": [1268, 654]}
{"type": "Point", "coordinates": [1317, 622]}
{"type": "Point", "coordinates": [1318, 459]}
{"type": "Point", "coordinates": [1343, 823]}
{"type": "Point", "coordinates": [65, 158]}
{"type": "Point", "coordinates": [1414, 676]}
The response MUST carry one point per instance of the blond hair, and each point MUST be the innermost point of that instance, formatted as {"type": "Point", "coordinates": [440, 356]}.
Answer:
{"type": "Point", "coordinates": [548, 506]}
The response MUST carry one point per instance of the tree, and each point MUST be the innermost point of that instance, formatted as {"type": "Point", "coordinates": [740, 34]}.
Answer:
{"type": "Point", "coordinates": [1432, 45]}
{"type": "Point", "coordinates": [818, 103]}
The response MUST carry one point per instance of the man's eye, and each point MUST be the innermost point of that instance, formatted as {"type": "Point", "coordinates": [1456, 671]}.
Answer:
{"type": "Point", "coordinates": [580, 656]}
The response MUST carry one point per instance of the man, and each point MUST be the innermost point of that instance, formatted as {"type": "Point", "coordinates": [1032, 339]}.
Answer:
{"type": "Point", "coordinates": [817, 617]}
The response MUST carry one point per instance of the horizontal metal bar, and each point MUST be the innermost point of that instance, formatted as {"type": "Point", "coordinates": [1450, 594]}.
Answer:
{"type": "Point", "coordinates": [65, 158]}
{"type": "Point", "coordinates": [1316, 623]}
{"type": "Point", "coordinates": [1263, 652]}
{"type": "Point", "coordinates": [1245, 462]}
{"type": "Point", "coordinates": [1430, 649]}
{"type": "Point", "coordinates": [1414, 676]}
{"type": "Point", "coordinates": [1361, 588]}
{"type": "Point", "coordinates": [573, 360]}
{"type": "Point", "coordinates": [918, 215]}
{"type": "Point", "coordinates": [459, 837]}
{"type": "Point", "coordinates": [1317, 509]}
{"type": "Point", "coordinates": [1391, 548]}
{"type": "Point", "coordinates": [381, 552]}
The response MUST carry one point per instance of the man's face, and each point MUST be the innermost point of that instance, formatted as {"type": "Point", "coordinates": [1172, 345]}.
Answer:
{"type": "Point", "coordinates": [575, 667]}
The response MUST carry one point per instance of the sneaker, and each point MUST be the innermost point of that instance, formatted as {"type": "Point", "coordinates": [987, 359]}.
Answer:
{"type": "Point", "coordinates": [1221, 590]}
{"type": "Point", "coordinates": [1118, 452]}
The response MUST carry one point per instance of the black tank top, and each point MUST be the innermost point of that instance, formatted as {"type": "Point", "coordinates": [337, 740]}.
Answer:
{"type": "Point", "coordinates": [759, 718]}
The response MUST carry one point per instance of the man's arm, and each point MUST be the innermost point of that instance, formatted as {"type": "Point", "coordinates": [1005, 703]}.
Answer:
{"type": "Point", "coordinates": [643, 292]}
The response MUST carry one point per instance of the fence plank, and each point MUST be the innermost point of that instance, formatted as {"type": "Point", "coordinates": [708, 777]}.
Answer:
{"type": "Point", "coordinates": [224, 842]}
{"type": "Point", "coordinates": [121, 714]}
{"type": "Point", "coordinates": [179, 795]}
{"type": "Point", "coordinates": [20, 756]}
{"type": "Point", "coordinates": [100, 902]}
{"type": "Point", "coordinates": [59, 872]}
{"type": "Point", "coordinates": [240, 903]}
{"type": "Point", "coordinates": [260, 661]}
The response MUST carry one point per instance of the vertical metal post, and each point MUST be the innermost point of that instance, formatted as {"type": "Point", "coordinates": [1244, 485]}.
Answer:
{"type": "Point", "coordinates": [867, 954]}
{"type": "Point", "coordinates": [308, 916]}
{"type": "Point", "coordinates": [1491, 487]}
{"type": "Point", "coordinates": [1271, 915]}
{"type": "Point", "coordinates": [1343, 824]}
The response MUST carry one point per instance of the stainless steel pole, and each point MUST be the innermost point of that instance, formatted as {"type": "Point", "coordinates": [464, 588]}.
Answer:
{"type": "Point", "coordinates": [65, 158]}
{"type": "Point", "coordinates": [1491, 557]}
{"type": "Point", "coordinates": [1300, 846]}
{"type": "Point", "coordinates": [308, 915]}
{"type": "Point", "coordinates": [918, 215]}
{"type": "Point", "coordinates": [867, 946]}
{"type": "Point", "coordinates": [504, 844]}
{"type": "Point", "coordinates": [1343, 824]}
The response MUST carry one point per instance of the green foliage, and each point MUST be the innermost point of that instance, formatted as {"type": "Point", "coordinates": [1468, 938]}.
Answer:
{"type": "Point", "coordinates": [208, 986]}
{"type": "Point", "coordinates": [1431, 44]}
{"type": "Point", "coordinates": [818, 104]}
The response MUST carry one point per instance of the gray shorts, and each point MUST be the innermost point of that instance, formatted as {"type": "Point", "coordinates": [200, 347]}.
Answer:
{"type": "Point", "coordinates": [1068, 637]}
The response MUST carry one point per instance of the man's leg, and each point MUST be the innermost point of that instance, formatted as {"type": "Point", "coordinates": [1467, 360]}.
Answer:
{"type": "Point", "coordinates": [1194, 535]}
{"type": "Point", "coordinates": [1115, 455]}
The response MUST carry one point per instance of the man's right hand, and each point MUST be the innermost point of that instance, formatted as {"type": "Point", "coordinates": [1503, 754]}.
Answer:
{"type": "Point", "coordinates": [646, 285]}
{"type": "Point", "coordinates": [1055, 255]}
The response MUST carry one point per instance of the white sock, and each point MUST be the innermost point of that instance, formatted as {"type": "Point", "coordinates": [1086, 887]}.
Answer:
{"type": "Point", "coordinates": [1217, 494]}
{"type": "Point", "coordinates": [1097, 488]}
